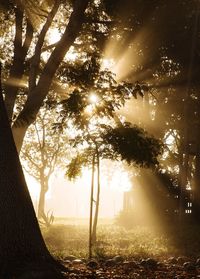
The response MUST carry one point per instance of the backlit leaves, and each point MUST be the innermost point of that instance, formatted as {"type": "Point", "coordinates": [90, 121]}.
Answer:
{"type": "Point", "coordinates": [133, 145]}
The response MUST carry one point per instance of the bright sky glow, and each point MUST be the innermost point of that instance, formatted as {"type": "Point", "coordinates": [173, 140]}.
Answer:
{"type": "Point", "coordinates": [71, 55]}
{"type": "Point", "coordinates": [71, 131]}
{"type": "Point", "coordinates": [89, 109]}
{"type": "Point", "coordinates": [169, 140]}
{"type": "Point", "coordinates": [33, 186]}
{"type": "Point", "coordinates": [121, 182]}
{"type": "Point", "coordinates": [108, 63]}
{"type": "Point", "coordinates": [71, 199]}
{"type": "Point", "coordinates": [53, 36]}
{"type": "Point", "coordinates": [93, 98]}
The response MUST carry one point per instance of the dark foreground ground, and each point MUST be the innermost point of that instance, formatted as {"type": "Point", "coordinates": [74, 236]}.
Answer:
{"type": "Point", "coordinates": [139, 253]}
{"type": "Point", "coordinates": [117, 267]}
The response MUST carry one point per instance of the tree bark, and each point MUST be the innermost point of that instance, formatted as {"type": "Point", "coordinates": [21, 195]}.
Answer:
{"type": "Point", "coordinates": [35, 60]}
{"type": "Point", "coordinates": [91, 208]}
{"type": "Point", "coordinates": [21, 242]}
{"type": "Point", "coordinates": [18, 65]}
{"type": "Point", "coordinates": [41, 204]}
{"type": "Point", "coordinates": [94, 230]}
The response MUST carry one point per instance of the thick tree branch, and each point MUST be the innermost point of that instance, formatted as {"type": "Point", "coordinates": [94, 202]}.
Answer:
{"type": "Point", "coordinates": [18, 66]}
{"type": "Point", "coordinates": [37, 96]}
{"type": "Point", "coordinates": [28, 38]}
{"type": "Point", "coordinates": [35, 61]}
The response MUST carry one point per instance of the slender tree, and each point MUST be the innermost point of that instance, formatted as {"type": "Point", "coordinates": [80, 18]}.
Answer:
{"type": "Point", "coordinates": [91, 209]}
{"type": "Point", "coordinates": [97, 201]}
{"type": "Point", "coordinates": [42, 152]}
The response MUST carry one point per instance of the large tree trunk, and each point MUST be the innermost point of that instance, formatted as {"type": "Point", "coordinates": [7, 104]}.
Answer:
{"type": "Point", "coordinates": [22, 247]}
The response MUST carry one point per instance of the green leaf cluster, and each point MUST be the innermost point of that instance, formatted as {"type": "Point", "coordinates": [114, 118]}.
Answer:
{"type": "Point", "coordinates": [133, 145]}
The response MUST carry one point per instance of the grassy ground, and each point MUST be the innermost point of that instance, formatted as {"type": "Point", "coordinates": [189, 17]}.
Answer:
{"type": "Point", "coordinates": [66, 238]}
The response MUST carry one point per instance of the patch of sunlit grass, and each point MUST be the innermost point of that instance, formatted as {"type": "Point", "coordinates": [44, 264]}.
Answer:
{"type": "Point", "coordinates": [65, 240]}
{"type": "Point", "coordinates": [140, 242]}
